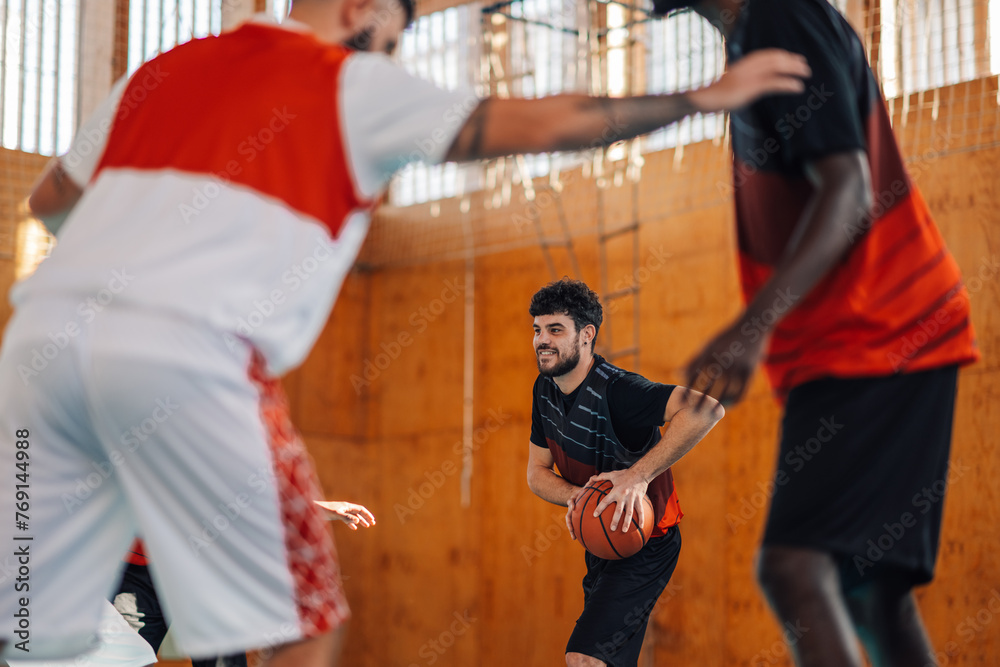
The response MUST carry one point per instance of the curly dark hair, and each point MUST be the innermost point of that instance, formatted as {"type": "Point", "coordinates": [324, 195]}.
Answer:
{"type": "Point", "coordinates": [569, 297]}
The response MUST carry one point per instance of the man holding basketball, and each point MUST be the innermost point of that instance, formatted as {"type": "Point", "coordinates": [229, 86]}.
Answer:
{"type": "Point", "coordinates": [215, 221]}
{"type": "Point", "coordinates": [862, 320]}
{"type": "Point", "coordinates": [598, 422]}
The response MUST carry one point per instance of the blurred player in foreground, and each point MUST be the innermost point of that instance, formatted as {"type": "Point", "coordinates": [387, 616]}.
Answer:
{"type": "Point", "coordinates": [861, 318]}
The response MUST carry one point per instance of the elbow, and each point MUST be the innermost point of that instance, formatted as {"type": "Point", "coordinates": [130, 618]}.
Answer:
{"type": "Point", "coordinates": [39, 205]}
{"type": "Point", "coordinates": [718, 412]}
{"type": "Point", "coordinates": [860, 189]}
{"type": "Point", "coordinates": [531, 480]}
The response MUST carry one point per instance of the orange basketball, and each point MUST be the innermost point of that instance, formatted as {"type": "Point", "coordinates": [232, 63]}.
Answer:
{"type": "Point", "coordinates": [595, 533]}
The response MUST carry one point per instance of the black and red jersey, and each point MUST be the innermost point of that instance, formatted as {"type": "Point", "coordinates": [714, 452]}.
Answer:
{"type": "Point", "coordinates": [587, 438]}
{"type": "Point", "coordinates": [896, 302]}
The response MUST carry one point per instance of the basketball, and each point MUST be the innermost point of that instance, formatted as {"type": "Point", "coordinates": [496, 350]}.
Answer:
{"type": "Point", "coordinates": [595, 533]}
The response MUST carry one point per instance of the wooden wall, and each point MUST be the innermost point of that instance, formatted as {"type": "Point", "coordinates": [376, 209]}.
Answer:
{"type": "Point", "coordinates": [17, 173]}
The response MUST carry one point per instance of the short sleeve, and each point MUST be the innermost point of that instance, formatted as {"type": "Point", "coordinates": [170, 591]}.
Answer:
{"type": "Point", "coordinates": [637, 404]}
{"type": "Point", "coordinates": [537, 435]}
{"type": "Point", "coordinates": [391, 118]}
{"type": "Point", "coordinates": [827, 117]}
{"type": "Point", "coordinates": [80, 161]}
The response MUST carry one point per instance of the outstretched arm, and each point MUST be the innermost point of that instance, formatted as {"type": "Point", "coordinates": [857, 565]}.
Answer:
{"type": "Point", "coordinates": [690, 421]}
{"type": "Point", "coordinates": [574, 122]}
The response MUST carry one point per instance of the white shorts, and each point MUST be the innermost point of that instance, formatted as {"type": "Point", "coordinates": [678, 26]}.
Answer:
{"type": "Point", "coordinates": [118, 645]}
{"type": "Point", "coordinates": [137, 423]}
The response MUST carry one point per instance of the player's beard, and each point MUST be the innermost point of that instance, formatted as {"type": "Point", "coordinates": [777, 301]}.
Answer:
{"type": "Point", "coordinates": [362, 41]}
{"type": "Point", "coordinates": [565, 364]}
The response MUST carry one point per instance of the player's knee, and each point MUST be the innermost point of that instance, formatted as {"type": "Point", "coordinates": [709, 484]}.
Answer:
{"type": "Point", "coordinates": [881, 603]}
{"type": "Point", "coordinates": [782, 569]}
{"type": "Point", "coordinates": [581, 660]}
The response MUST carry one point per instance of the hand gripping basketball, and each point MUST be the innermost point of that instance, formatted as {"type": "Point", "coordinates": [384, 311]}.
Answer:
{"type": "Point", "coordinates": [595, 533]}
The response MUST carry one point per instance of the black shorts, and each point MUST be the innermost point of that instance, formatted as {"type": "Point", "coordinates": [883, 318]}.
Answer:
{"type": "Point", "coordinates": [618, 597]}
{"type": "Point", "coordinates": [862, 472]}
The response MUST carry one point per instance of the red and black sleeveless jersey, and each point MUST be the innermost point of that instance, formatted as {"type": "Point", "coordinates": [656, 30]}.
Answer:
{"type": "Point", "coordinates": [584, 443]}
{"type": "Point", "coordinates": [896, 302]}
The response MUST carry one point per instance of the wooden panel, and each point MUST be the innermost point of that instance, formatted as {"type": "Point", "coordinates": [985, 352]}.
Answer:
{"type": "Point", "coordinates": [326, 391]}
{"type": "Point", "coordinates": [416, 349]}
{"type": "Point", "coordinates": [530, 569]}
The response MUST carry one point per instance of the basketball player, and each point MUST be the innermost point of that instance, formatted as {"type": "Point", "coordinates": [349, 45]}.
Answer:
{"type": "Point", "coordinates": [212, 207]}
{"type": "Point", "coordinates": [596, 422]}
{"type": "Point", "coordinates": [862, 320]}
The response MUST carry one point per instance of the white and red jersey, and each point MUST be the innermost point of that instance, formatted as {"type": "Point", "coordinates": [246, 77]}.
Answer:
{"type": "Point", "coordinates": [229, 181]}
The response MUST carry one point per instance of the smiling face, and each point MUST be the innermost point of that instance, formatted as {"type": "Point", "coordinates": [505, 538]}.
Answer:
{"type": "Point", "coordinates": [558, 344]}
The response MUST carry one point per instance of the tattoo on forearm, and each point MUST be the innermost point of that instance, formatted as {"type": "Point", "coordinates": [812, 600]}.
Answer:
{"type": "Point", "coordinates": [59, 178]}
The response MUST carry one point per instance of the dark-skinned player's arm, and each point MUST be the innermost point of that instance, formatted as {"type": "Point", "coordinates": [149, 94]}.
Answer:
{"type": "Point", "coordinates": [547, 484]}
{"type": "Point", "coordinates": [841, 198]}
{"type": "Point", "coordinates": [691, 416]}
{"type": "Point", "coordinates": [54, 196]}
{"type": "Point", "coordinates": [573, 122]}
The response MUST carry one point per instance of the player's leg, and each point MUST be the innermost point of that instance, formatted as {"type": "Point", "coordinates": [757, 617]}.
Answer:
{"type": "Point", "coordinates": [581, 660]}
{"type": "Point", "coordinates": [860, 482]}
{"type": "Point", "coordinates": [222, 490]}
{"type": "Point", "coordinates": [311, 651]}
{"type": "Point", "coordinates": [64, 512]}
{"type": "Point", "coordinates": [232, 660]}
{"type": "Point", "coordinates": [619, 597]}
{"type": "Point", "coordinates": [803, 589]}
{"type": "Point", "coordinates": [888, 621]}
